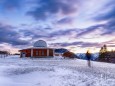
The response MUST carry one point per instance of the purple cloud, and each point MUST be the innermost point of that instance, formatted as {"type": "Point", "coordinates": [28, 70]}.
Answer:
{"type": "Point", "coordinates": [65, 21]}
{"type": "Point", "coordinates": [47, 8]}
{"type": "Point", "coordinates": [80, 43]}
{"type": "Point", "coordinates": [8, 34]}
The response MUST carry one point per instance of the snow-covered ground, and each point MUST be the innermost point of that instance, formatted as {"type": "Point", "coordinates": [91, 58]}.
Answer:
{"type": "Point", "coordinates": [15, 71]}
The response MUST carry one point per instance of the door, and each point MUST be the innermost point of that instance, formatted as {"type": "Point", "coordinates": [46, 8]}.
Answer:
{"type": "Point", "coordinates": [23, 54]}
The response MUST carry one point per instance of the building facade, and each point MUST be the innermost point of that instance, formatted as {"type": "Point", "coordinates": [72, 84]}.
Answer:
{"type": "Point", "coordinates": [38, 50]}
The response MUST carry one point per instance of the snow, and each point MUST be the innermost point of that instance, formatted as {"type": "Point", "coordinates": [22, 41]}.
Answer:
{"type": "Point", "coordinates": [15, 71]}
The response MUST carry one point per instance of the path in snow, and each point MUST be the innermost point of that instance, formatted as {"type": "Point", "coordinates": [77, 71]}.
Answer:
{"type": "Point", "coordinates": [50, 72]}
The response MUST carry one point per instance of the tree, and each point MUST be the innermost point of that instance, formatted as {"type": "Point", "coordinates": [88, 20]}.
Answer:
{"type": "Point", "coordinates": [4, 53]}
{"type": "Point", "coordinates": [103, 54]}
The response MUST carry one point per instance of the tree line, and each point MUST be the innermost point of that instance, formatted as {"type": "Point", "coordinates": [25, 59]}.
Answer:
{"type": "Point", "coordinates": [105, 55]}
{"type": "Point", "coordinates": [4, 53]}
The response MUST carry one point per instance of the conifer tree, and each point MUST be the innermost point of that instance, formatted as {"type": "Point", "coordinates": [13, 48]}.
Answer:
{"type": "Point", "coordinates": [103, 54]}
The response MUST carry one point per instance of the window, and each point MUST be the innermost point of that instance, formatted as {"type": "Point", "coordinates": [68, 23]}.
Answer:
{"type": "Point", "coordinates": [37, 53]}
{"type": "Point", "coordinates": [42, 53]}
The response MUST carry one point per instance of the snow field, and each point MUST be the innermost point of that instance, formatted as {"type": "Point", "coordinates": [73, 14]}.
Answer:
{"type": "Point", "coordinates": [15, 71]}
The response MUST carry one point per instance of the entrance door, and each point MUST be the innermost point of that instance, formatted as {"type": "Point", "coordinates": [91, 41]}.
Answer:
{"type": "Point", "coordinates": [23, 54]}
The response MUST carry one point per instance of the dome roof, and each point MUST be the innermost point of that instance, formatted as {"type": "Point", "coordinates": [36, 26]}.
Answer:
{"type": "Point", "coordinates": [40, 43]}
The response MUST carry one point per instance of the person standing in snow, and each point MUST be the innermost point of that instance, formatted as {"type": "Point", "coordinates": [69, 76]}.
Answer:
{"type": "Point", "coordinates": [88, 56]}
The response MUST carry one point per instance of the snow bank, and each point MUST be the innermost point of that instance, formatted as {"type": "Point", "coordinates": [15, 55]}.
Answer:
{"type": "Point", "coordinates": [15, 71]}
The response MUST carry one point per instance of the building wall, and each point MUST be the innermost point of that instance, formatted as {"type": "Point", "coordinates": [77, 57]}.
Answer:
{"type": "Point", "coordinates": [50, 52]}
{"type": "Point", "coordinates": [69, 55]}
{"type": "Point", "coordinates": [27, 52]}
{"type": "Point", "coordinates": [37, 52]}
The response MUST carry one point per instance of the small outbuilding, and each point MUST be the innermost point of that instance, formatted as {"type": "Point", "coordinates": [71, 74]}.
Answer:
{"type": "Point", "coordinates": [38, 50]}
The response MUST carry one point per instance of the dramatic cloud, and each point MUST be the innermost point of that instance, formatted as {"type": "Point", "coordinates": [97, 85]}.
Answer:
{"type": "Point", "coordinates": [108, 12]}
{"type": "Point", "coordinates": [37, 33]}
{"type": "Point", "coordinates": [65, 21]}
{"type": "Point", "coordinates": [80, 44]}
{"type": "Point", "coordinates": [10, 36]}
{"type": "Point", "coordinates": [89, 30]}
{"type": "Point", "coordinates": [110, 43]}
{"type": "Point", "coordinates": [110, 27]}
{"type": "Point", "coordinates": [108, 15]}
{"type": "Point", "coordinates": [71, 33]}
{"type": "Point", "coordinates": [47, 8]}
{"type": "Point", "coordinates": [63, 33]}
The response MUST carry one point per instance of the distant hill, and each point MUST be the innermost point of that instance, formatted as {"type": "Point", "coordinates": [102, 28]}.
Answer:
{"type": "Point", "coordinates": [83, 56]}
{"type": "Point", "coordinates": [61, 50]}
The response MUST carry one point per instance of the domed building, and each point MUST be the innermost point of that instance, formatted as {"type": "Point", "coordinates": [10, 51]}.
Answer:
{"type": "Point", "coordinates": [38, 50]}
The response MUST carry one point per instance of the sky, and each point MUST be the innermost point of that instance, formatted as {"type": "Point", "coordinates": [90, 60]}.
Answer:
{"type": "Point", "coordinates": [77, 25]}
